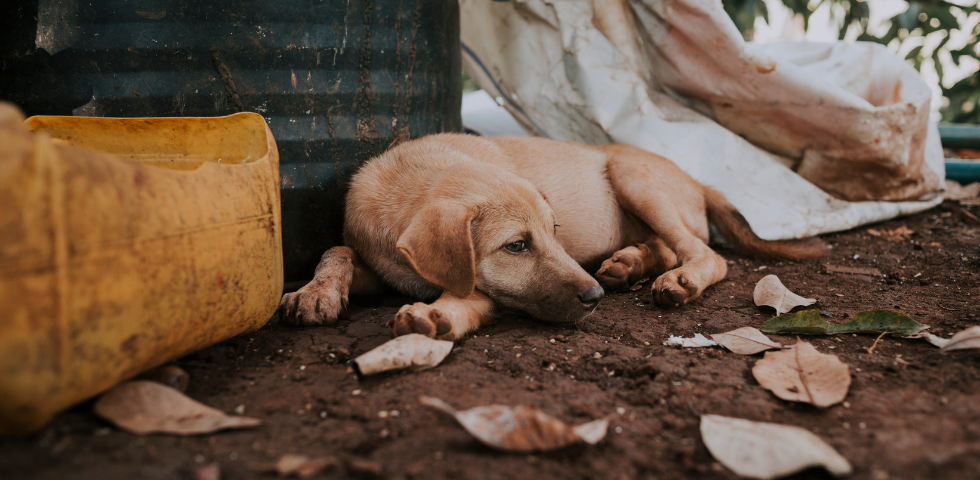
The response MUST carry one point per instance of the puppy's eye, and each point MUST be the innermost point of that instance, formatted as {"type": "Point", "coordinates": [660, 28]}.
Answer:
{"type": "Point", "coordinates": [516, 247]}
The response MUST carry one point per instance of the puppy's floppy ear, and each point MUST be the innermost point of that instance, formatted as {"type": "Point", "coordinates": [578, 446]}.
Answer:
{"type": "Point", "coordinates": [439, 246]}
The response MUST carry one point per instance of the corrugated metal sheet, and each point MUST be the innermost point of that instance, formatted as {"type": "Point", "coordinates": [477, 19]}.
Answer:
{"type": "Point", "coordinates": [338, 81]}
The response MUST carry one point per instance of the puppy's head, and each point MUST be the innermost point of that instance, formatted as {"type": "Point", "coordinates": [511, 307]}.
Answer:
{"type": "Point", "coordinates": [499, 237]}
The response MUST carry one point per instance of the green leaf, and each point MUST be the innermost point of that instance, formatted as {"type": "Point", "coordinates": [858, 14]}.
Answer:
{"type": "Point", "coordinates": [807, 321]}
{"type": "Point", "coordinates": [874, 321]}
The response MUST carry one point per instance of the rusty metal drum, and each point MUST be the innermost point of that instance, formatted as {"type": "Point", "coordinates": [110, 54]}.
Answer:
{"type": "Point", "coordinates": [338, 81]}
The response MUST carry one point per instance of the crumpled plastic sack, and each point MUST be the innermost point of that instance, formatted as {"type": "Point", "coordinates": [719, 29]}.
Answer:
{"type": "Point", "coordinates": [803, 138]}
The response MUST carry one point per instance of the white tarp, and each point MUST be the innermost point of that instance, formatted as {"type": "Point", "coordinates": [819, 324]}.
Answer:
{"type": "Point", "coordinates": [676, 78]}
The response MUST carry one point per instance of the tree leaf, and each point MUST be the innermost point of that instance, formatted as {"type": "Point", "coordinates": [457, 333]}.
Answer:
{"type": "Point", "coordinates": [767, 450]}
{"type": "Point", "coordinates": [413, 351]}
{"type": "Point", "coordinates": [802, 374]}
{"type": "Point", "coordinates": [969, 338]}
{"type": "Point", "coordinates": [521, 428]}
{"type": "Point", "coordinates": [770, 291]}
{"type": "Point", "coordinates": [873, 321]}
{"type": "Point", "coordinates": [745, 341]}
{"type": "Point", "coordinates": [807, 321]}
{"type": "Point", "coordinates": [143, 407]}
{"type": "Point", "coordinates": [937, 341]}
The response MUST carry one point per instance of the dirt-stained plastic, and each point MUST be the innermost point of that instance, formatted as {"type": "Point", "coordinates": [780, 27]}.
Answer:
{"type": "Point", "coordinates": [125, 243]}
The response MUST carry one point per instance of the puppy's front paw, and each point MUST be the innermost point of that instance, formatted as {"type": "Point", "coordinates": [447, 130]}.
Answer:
{"type": "Point", "coordinates": [674, 289]}
{"type": "Point", "coordinates": [620, 271]}
{"type": "Point", "coordinates": [314, 304]}
{"type": "Point", "coordinates": [423, 319]}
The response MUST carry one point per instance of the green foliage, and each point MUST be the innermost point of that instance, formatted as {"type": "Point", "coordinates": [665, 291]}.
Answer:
{"type": "Point", "coordinates": [922, 18]}
{"type": "Point", "coordinates": [873, 321]}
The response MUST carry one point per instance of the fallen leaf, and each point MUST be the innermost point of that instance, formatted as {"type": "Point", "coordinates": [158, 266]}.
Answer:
{"type": "Point", "coordinates": [143, 407]}
{"type": "Point", "coordinates": [969, 338]}
{"type": "Point", "coordinates": [297, 465]}
{"type": "Point", "coordinates": [802, 374]}
{"type": "Point", "coordinates": [955, 191]}
{"type": "Point", "coordinates": [767, 450]}
{"type": "Point", "coordinates": [521, 428]}
{"type": "Point", "coordinates": [770, 291]}
{"type": "Point", "coordinates": [413, 351]}
{"type": "Point", "coordinates": [696, 341]}
{"type": "Point", "coordinates": [933, 339]}
{"type": "Point", "coordinates": [745, 341]}
{"type": "Point", "coordinates": [874, 272]}
{"type": "Point", "coordinates": [873, 321]}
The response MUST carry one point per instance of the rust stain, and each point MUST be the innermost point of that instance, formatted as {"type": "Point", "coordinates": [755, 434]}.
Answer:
{"type": "Point", "coordinates": [897, 92]}
{"type": "Point", "coordinates": [767, 67]}
{"type": "Point", "coordinates": [366, 136]}
{"type": "Point", "coordinates": [230, 90]}
{"type": "Point", "coordinates": [292, 78]}
{"type": "Point", "coordinates": [152, 15]}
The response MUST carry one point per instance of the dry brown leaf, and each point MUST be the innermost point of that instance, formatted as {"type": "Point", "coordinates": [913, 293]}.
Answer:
{"type": "Point", "coordinates": [767, 450]}
{"type": "Point", "coordinates": [520, 429]}
{"type": "Point", "coordinates": [297, 465]}
{"type": "Point", "coordinates": [745, 341]}
{"type": "Point", "coordinates": [802, 374]}
{"type": "Point", "coordinates": [770, 291]}
{"type": "Point", "coordinates": [413, 351]}
{"type": "Point", "coordinates": [969, 338]}
{"type": "Point", "coordinates": [933, 339]}
{"type": "Point", "coordinates": [955, 191]}
{"type": "Point", "coordinates": [143, 407]}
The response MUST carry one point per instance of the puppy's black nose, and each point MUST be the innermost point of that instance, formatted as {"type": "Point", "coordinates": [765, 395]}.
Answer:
{"type": "Point", "coordinates": [590, 298]}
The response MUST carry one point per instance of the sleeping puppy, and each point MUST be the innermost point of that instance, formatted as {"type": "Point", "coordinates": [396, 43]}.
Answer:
{"type": "Point", "coordinates": [468, 225]}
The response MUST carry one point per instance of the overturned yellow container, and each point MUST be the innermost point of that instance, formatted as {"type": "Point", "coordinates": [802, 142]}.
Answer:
{"type": "Point", "coordinates": [126, 243]}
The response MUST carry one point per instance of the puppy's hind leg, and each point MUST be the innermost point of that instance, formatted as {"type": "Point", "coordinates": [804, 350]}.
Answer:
{"type": "Point", "coordinates": [632, 264]}
{"type": "Point", "coordinates": [448, 318]}
{"type": "Point", "coordinates": [339, 273]}
{"type": "Point", "coordinates": [672, 204]}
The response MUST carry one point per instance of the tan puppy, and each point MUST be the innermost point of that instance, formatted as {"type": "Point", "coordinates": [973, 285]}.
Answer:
{"type": "Point", "coordinates": [472, 224]}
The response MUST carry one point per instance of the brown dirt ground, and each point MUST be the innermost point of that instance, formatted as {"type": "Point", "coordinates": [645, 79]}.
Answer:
{"type": "Point", "coordinates": [912, 412]}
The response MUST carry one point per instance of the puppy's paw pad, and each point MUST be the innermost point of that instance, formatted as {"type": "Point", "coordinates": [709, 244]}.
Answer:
{"type": "Point", "coordinates": [620, 271]}
{"type": "Point", "coordinates": [674, 289]}
{"type": "Point", "coordinates": [422, 319]}
{"type": "Point", "coordinates": [314, 304]}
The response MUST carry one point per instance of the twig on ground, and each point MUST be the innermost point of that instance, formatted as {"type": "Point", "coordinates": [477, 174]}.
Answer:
{"type": "Point", "coordinates": [871, 349]}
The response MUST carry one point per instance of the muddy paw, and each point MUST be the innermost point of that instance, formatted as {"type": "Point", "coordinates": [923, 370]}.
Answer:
{"type": "Point", "coordinates": [314, 304]}
{"type": "Point", "coordinates": [622, 270]}
{"type": "Point", "coordinates": [423, 319]}
{"type": "Point", "coordinates": [673, 289]}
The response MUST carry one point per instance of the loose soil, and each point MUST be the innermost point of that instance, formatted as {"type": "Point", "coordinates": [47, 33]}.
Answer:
{"type": "Point", "coordinates": [912, 411]}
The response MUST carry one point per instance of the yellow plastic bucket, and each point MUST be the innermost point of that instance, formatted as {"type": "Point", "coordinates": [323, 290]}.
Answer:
{"type": "Point", "coordinates": [126, 243]}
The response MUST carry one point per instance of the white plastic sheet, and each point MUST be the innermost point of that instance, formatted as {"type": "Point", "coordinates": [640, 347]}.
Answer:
{"type": "Point", "coordinates": [802, 138]}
